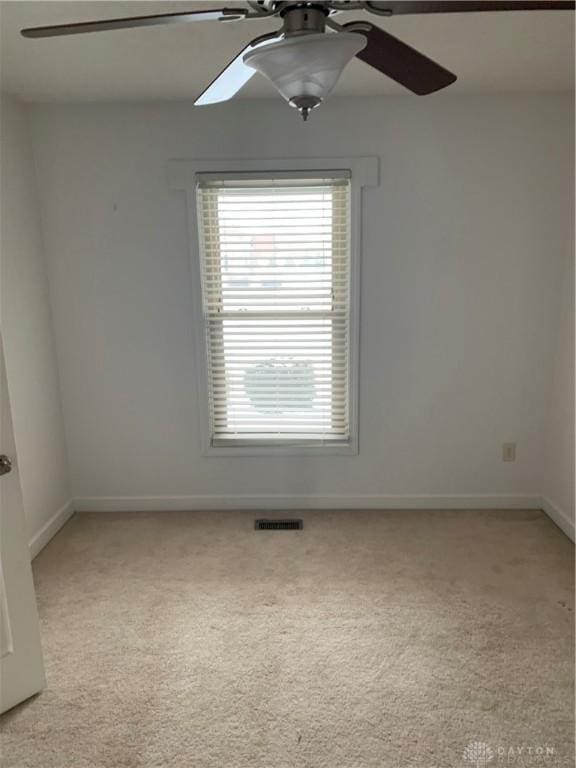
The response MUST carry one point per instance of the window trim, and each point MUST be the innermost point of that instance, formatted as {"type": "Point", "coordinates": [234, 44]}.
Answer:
{"type": "Point", "coordinates": [184, 175]}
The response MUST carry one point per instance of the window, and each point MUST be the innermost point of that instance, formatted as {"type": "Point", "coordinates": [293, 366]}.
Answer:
{"type": "Point", "coordinates": [275, 271]}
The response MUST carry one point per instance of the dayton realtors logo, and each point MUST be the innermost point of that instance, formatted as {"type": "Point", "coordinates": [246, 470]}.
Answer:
{"type": "Point", "coordinates": [480, 754]}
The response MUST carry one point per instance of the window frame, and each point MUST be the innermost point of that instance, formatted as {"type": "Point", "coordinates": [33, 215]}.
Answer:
{"type": "Point", "coordinates": [185, 175]}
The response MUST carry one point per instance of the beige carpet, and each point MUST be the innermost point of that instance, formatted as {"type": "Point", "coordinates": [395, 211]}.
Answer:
{"type": "Point", "coordinates": [368, 640]}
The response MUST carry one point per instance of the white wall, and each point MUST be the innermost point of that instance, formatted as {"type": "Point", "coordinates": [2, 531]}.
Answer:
{"type": "Point", "coordinates": [26, 323]}
{"type": "Point", "coordinates": [464, 243]}
{"type": "Point", "coordinates": [558, 482]}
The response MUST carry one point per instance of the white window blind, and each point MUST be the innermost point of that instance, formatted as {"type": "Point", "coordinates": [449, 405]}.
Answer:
{"type": "Point", "coordinates": [275, 265]}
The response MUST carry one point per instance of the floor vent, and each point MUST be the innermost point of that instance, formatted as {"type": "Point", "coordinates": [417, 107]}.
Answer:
{"type": "Point", "coordinates": [278, 525]}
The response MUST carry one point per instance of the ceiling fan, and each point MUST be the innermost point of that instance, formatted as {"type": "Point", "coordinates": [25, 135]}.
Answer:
{"type": "Point", "coordinates": [306, 55]}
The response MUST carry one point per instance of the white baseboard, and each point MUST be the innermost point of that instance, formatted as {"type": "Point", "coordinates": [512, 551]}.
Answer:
{"type": "Point", "coordinates": [184, 503]}
{"type": "Point", "coordinates": [278, 502]}
{"type": "Point", "coordinates": [50, 528]}
{"type": "Point", "coordinates": [559, 517]}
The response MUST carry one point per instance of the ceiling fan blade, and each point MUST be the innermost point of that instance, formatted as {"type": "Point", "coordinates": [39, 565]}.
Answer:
{"type": "Point", "coordinates": [401, 62]}
{"type": "Point", "coordinates": [233, 77]}
{"type": "Point", "coordinates": [397, 7]}
{"type": "Point", "coordinates": [105, 25]}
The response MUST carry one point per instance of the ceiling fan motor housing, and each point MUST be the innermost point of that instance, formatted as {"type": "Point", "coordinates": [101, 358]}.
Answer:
{"type": "Point", "coordinates": [303, 19]}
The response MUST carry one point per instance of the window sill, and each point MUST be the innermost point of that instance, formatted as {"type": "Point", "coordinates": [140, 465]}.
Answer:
{"type": "Point", "coordinates": [275, 449]}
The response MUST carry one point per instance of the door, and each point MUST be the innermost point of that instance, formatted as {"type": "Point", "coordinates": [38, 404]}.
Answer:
{"type": "Point", "coordinates": [21, 665]}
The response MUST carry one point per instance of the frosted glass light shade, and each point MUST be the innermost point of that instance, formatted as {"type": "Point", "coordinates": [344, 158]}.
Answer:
{"type": "Point", "coordinates": [306, 66]}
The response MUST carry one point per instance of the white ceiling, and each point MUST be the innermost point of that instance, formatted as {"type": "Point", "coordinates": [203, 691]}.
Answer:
{"type": "Point", "coordinates": [490, 52]}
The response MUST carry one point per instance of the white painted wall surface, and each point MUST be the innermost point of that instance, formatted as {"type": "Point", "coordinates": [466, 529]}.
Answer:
{"type": "Point", "coordinates": [26, 320]}
{"type": "Point", "coordinates": [558, 481]}
{"type": "Point", "coordinates": [464, 243]}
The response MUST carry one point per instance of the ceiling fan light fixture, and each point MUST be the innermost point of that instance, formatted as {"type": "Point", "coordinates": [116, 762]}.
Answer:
{"type": "Point", "coordinates": [305, 68]}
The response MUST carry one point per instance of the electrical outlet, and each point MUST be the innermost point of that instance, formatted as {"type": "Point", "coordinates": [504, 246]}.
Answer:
{"type": "Point", "coordinates": [508, 451]}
